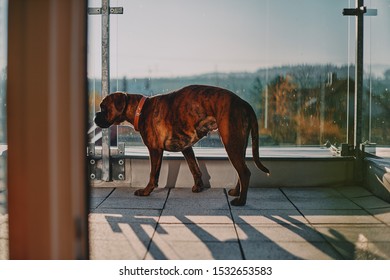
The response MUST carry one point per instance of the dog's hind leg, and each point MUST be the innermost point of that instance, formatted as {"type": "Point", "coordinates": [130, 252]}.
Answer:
{"type": "Point", "coordinates": [155, 167]}
{"type": "Point", "coordinates": [237, 158]}
{"type": "Point", "coordinates": [236, 190]}
{"type": "Point", "coordinates": [194, 168]}
{"type": "Point", "coordinates": [235, 138]}
{"type": "Point", "coordinates": [244, 175]}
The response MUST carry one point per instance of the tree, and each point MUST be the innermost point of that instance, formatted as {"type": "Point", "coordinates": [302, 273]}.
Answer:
{"type": "Point", "coordinates": [256, 96]}
{"type": "Point", "coordinates": [387, 75]}
{"type": "Point", "coordinates": [282, 109]}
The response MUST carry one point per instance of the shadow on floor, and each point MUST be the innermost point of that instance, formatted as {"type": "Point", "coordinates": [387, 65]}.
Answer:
{"type": "Point", "coordinates": [277, 223]}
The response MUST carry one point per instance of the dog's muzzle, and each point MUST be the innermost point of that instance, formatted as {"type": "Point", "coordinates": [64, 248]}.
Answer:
{"type": "Point", "coordinates": [101, 121]}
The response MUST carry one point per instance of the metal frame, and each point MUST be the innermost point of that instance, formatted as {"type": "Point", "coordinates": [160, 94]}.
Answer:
{"type": "Point", "coordinates": [105, 12]}
{"type": "Point", "coordinates": [359, 122]}
{"type": "Point", "coordinates": [359, 134]}
{"type": "Point", "coordinates": [359, 12]}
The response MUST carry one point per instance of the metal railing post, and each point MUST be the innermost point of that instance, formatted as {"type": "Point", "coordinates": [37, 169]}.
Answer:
{"type": "Point", "coordinates": [106, 174]}
{"type": "Point", "coordinates": [358, 120]}
{"type": "Point", "coordinates": [105, 11]}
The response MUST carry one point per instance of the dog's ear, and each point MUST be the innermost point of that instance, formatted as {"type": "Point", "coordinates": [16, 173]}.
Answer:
{"type": "Point", "coordinates": [120, 101]}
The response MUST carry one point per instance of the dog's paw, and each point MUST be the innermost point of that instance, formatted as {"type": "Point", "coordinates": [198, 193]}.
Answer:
{"type": "Point", "coordinates": [234, 192]}
{"type": "Point", "coordinates": [196, 189]}
{"type": "Point", "coordinates": [237, 202]}
{"type": "Point", "coordinates": [141, 192]}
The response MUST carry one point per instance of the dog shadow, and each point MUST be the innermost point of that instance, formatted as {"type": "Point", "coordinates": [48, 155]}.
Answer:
{"type": "Point", "coordinates": [174, 169]}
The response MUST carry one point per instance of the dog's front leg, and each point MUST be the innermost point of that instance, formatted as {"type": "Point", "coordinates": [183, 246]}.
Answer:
{"type": "Point", "coordinates": [155, 167]}
{"type": "Point", "coordinates": [194, 168]}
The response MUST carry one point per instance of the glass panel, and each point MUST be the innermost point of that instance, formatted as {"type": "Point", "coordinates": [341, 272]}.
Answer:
{"type": "Point", "coordinates": [377, 77]}
{"type": "Point", "coordinates": [290, 59]}
{"type": "Point", "coordinates": [3, 131]}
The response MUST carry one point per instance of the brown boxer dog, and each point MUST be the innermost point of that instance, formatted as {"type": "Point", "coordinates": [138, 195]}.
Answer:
{"type": "Point", "coordinates": [177, 120]}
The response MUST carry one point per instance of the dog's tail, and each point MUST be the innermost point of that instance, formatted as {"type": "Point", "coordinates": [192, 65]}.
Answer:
{"type": "Point", "coordinates": [255, 142]}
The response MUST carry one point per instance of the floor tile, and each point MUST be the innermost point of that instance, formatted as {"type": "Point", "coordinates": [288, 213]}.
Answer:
{"type": "Point", "coordinates": [124, 198]}
{"type": "Point", "coordinates": [126, 203]}
{"type": "Point", "coordinates": [162, 250]}
{"type": "Point", "coordinates": [329, 203]}
{"type": "Point", "coordinates": [184, 201]}
{"type": "Point", "coordinates": [265, 193]}
{"type": "Point", "coordinates": [265, 198]}
{"type": "Point", "coordinates": [194, 204]}
{"type": "Point", "coordinates": [267, 216]}
{"type": "Point", "coordinates": [352, 191]}
{"type": "Point", "coordinates": [261, 202]}
{"type": "Point", "coordinates": [98, 195]}
{"type": "Point", "coordinates": [198, 216]}
{"type": "Point", "coordinates": [353, 233]}
{"type": "Point", "coordinates": [359, 242]}
{"type": "Point", "coordinates": [121, 233]}
{"type": "Point", "coordinates": [371, 202]}
{"type": "Point", "coordinates": [289, 251]}
{"type": "Point", "coordinates": [308, 192]}
{"type": "Point", "coordinates": [94, 202]}
{"type": "Point", "coordinates": [186, 193]}
{"type": "Point", "coordinates": [125, 192]}
{"type": "Point", "coordinates": [100, 192]}
{"type": "Point", "coordinates": [339, 216]}
{"type": "Point", "coordinates": [104, 215]}
{"type": "Point", "coordinates": [382, 214]}
{"type": "Point", "coordinates": [116, 250]}
{"type": "Point", "coordinates": [142, 232]}
{"type": "Point", "coordinates": [196, 232]}
{"type": "Point", "coordinates": [278, 233]}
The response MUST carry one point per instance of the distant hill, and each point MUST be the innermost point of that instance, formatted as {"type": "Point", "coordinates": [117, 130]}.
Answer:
{"type": "Point", "coordinates": [239, 82]}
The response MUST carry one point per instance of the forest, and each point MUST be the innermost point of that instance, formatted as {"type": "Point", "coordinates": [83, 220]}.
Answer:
{"type": "Point", "coordinates": [295, 105]}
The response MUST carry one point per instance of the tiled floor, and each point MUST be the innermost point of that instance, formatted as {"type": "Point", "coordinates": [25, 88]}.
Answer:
{"type": "Point", "coordinates": [276, 223]}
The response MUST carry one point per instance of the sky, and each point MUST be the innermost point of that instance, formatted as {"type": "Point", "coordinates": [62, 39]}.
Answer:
{"type": "Point", "coordinates": [169, 38]}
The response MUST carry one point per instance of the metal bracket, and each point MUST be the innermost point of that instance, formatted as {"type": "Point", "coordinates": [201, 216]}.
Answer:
{"type": "Point", "coordinates": [118, 169]}
{"type": "Point", "coordinates": [112, 10]}
{"type": "Point", "coordinates": [91, 149]}
{"type": "Point", "coordinates": [347, 150]}
{"type": "Point", "coordinates": [368, 148]}
{"type": "Point", "coordinates": [118, 164]}
{"type": "Point", "coordinates": [360, 11]}
{"type": "Point", "coordinates": [93, 172]}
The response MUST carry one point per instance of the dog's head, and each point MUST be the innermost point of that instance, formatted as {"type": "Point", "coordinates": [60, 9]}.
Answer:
{"type": "Point", "coordinates": [113, 110]}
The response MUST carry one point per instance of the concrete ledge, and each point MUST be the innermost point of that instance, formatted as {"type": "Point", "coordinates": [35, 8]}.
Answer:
{"type": "Point", "coordinates": [219, 173]}
{"type": "Point", "coordinates": [377, 176]}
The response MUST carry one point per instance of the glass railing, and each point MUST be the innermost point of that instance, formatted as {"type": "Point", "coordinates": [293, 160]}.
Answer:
{"type": "Point", "coordinates": [293, 61]}
{"type": "Point", "coordinates": [377, 79]}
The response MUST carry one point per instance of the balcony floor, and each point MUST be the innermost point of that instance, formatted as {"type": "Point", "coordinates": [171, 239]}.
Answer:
{"type": "Point", "coordinates": [277, 223]}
